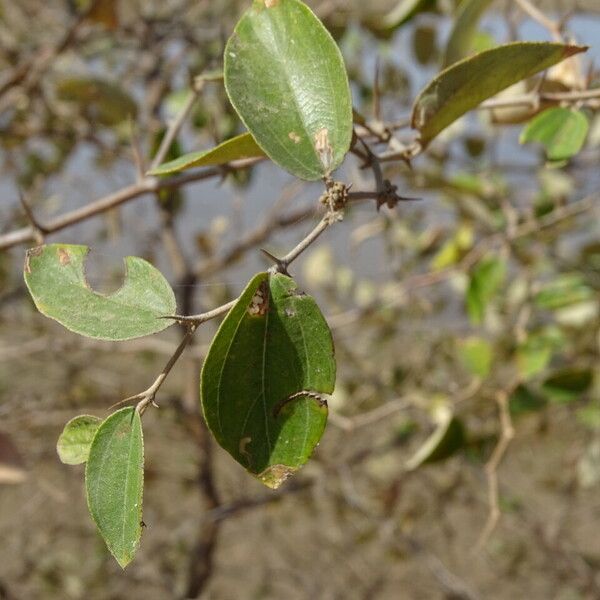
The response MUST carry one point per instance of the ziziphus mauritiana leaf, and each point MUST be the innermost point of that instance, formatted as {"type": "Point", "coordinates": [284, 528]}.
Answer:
{"type": "Point", "coordinates": [263, 377]}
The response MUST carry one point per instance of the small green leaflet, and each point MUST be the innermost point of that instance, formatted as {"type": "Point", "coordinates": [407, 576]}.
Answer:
{"type": "Point", "coordinates": [486, 278]}
{"type": "Point", "coordinates": [55, 277]}
{"type": "Point", "coordinates": [477, 355]}
{"type": "Point", "coordinates": [562, 132]}
{"type": "Point", "coordinates": [273, 345]}
{"type": "Point", "coordinates": [465, 84]}
{"type": "Point", "coordinates": [241, 146]}
{"type": "Point", "coordinates": [286, 78]}
{"type": "Point", "coordinates": [74, 443]}
{"type": "Point", "coordinates": [114, 481]}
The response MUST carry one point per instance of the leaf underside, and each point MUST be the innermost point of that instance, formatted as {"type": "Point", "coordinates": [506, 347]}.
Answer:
{"type": "Point", "coordinates": [272, 345]}
{"type": "Point", "coordinates": [241, 146]}
{"type": "Point", "coordinates": [465, 84]}
{"type": "Point", "coordinates": [56, 280]}
{"type": "Point", "coordinates": [286, 79]}
{"type": "Point", "coordinates": [114, 480]}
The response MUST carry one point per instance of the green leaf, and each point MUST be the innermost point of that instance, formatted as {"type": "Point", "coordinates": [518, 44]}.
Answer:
{"type": "Point", "coordinates": [56, 280]}
{"type": "Point", "coordinates": [286, 79]}
{"type": "Point", "coordinates": [462, 37]}
{"type": "Point", "coordinates": [74, 443]}
{"type": "Point", "coordinates": [446, 440]}
{"type": "Point", "coordinates": [99, 100]}
{"type": "Point", "coordinates": [523, 401]}
{"type": "Point", "coordinates": [465, 84]}
{"type": "Point", "coordinates": [486, 278]}
{"type": "Point", "coordinates": [568, 384]}
{"type": "Point", "coordinates": [114, 481]}
{"type": "Point", "coordinates": [562, 132]}
{"type": "Point", "coordinates": [477, 355]}
{"type": "Point", "coordinates": [241, 146]}
{"type": "Point", "coordinates": [565, 290]}
{"type": "Point", "coordinates": [273, 345]}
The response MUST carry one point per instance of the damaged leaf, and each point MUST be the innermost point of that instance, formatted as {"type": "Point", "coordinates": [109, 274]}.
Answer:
{"type": "Point", "coordinates": [55, 277]}
{"type": "Point", "coordinates": [286, 79]}
{"type": "Point", "coordinates": [263, 377]}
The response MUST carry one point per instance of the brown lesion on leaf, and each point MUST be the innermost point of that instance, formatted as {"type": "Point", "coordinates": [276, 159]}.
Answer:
{"type": "Point", "coordinates": [294, 137]}
{"type": "Point", "coordinates": [64, 257]}
{"type": "Point", "coordinates": [323, 148]}
{"type": "Point", "coordinates": [259, 305]}
{"type": "Point", "coordinates": [32, 253]}
{"type": "Point", "coordinates": [271, 3]}
{"type": "Point", "coordinates": [318, 398]}
{"type": "Point", "coordinates": [275, 475]}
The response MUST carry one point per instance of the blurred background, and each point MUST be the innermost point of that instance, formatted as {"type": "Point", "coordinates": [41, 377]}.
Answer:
{"type": "Point", "coordinates": [462, 455]}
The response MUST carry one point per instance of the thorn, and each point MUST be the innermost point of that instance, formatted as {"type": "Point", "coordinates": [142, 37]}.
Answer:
{"type": "Point", "coordinates": [39, 229]}
{"type": "Point", "coordinates": [279, 264]}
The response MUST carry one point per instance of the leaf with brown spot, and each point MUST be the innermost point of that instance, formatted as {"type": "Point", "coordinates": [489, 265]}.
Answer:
{"type": "Point", "coordinates": [55, 277]}
{"type": "Point", "coordinates": [263, 377]}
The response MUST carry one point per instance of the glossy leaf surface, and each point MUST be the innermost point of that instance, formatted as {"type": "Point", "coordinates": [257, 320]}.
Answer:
{"type": "Point", "coordinates": [286, 78]}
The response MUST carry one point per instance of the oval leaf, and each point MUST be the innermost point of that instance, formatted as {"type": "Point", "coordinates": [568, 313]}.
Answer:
{"type": "Point", "coordinates": [74, 443]}
{"type": "Point", "coordinates": [56, 280]}
{"type": "Point", "coordinates": [241, 146]}
{"type": "Point", "coordinates": [273, 345]}
{"type": "Point", "coordinates": [114, 481]}
{"type": "Point", "coordinates": [561, 131]}
{"type": "Point", "coordinates": [286, 79]}
{"type": "Point", "coordinates": [464, 85]}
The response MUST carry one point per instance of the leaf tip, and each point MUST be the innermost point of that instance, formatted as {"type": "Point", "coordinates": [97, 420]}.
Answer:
{"type": "Point", "coordinates": [276, 475]}
{"type": "Point", "coordinates": [571, 50]}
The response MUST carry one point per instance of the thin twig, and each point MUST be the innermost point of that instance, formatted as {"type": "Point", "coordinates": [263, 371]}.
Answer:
{"type": "Point", "coordinates": [147, 397]}
{"type": "Point", "coordinates": [177, 124]}
{"type": "Point", "coordinates": [507, 433]}
{"type": "Point", "coordinates": [148, 185]}
{"type": "Point", "coordinates": [541, 18]}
